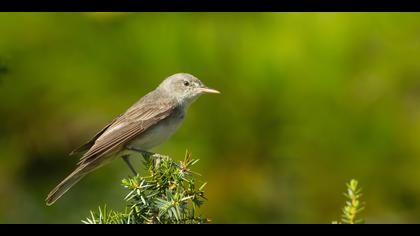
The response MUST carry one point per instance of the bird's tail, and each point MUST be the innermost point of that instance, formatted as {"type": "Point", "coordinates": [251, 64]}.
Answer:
{"type": "Point", "coordinates": [64, 186]}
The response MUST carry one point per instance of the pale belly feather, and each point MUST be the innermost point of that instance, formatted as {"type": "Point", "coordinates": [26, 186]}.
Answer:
{"type": "Point", "coordinates": [157, 134]}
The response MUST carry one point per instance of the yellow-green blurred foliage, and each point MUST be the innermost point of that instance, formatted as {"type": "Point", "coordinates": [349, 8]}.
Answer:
{"type": "Point", "coordinates": [309, 101]}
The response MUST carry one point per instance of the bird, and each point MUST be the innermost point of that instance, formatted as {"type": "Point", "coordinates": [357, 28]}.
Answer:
{"type": "Point", "coordinates": [146, 124]}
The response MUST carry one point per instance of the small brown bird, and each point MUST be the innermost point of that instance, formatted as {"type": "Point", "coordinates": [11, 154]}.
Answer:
{"type": "Point", "coordinates": [146, 124]}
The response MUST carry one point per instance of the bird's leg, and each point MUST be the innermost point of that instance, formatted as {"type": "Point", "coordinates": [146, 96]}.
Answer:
{"type": "Point", "coordinates": [127, 161]}
{"type": "Point", "coordinates": [147, 153]}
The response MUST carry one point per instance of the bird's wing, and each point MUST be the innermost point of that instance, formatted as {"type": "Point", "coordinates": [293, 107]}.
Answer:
{"type": "Point", "coordinates": [129, 125]}
{"type": "Point", "coordinates": [91, 142]}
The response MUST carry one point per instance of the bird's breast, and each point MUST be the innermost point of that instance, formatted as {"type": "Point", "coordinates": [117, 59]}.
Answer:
{"type": "Point", "coordinates": [159, 132]}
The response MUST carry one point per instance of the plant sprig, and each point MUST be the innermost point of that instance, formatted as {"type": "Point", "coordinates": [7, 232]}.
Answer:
{"type": "Point", "coordinates": [353, 207]}
{"type": "Point", "coordinates": [167, 194]}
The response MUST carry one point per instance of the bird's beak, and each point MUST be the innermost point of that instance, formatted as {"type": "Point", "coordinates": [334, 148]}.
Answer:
{"type": "Point", "coordinates": [207, 90]}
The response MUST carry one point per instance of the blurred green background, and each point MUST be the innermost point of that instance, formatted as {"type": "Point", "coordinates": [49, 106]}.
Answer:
{"type": "Point", "coordinates": [309, 101]}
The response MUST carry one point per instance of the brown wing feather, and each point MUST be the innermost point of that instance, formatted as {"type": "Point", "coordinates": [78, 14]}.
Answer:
{"type": "Point", "coordinates": [91, 142]}
{"type": "Point", "coordinates": [135, 121]}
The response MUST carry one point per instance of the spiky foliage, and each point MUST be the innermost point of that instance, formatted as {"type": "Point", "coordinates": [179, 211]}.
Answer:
{"type": "Point", "coordinates": [169, 194]}
{"type": "Point", "coordinates": [353, 206]}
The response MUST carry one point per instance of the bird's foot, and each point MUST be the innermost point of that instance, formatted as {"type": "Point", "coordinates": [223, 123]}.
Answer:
{"type": "Point", "coordinates": [146, 154]}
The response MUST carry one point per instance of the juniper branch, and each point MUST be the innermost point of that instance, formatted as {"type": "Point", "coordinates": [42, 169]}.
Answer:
{"type": "Point", "coordinates": [353, 206]}
{"type": "Point", "coordinates": [168, 194]}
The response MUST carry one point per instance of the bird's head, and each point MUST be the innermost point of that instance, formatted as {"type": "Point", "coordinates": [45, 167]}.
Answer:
{"type": "Point", "coordinates": [185, 87]}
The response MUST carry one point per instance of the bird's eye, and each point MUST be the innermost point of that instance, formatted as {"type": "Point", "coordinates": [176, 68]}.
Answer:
{"type": "Point", "coordinates": [186, 83]}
